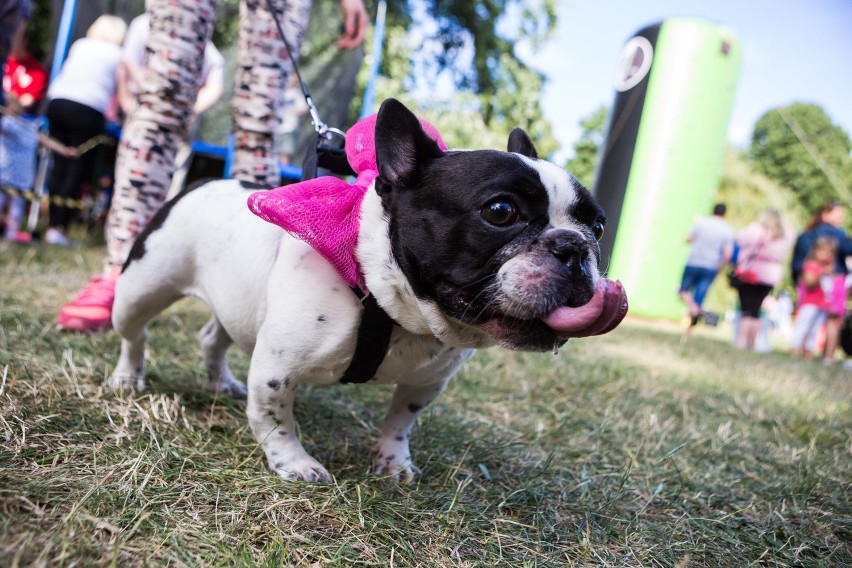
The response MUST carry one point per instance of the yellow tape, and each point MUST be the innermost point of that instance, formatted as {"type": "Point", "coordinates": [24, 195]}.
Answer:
{"type": "Point", "coordinates": [89, 144]}
{"type": "Point", "coordinates": [55, 200]}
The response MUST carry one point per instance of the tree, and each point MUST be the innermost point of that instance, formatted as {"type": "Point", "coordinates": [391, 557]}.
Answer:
{"type": "Point", "coordinates": [587, 148]}
{"type": "Point", "coordinates": [468, 42]}
{"type": "Point", "coordinates": [798, 146]}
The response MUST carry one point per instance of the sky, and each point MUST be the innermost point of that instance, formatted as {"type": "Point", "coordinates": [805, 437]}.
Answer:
{"type": "Point", "coordinates": [793, 50]}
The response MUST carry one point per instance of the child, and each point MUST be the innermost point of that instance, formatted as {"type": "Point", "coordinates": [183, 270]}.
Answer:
{"type": "Point", "coordinates": [815, 291]}
{"type": "Point", "coordinates": [19, 140]}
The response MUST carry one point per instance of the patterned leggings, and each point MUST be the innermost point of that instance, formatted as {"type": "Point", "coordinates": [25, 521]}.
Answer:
{"type": "Point", "coordinates": [175, 54]}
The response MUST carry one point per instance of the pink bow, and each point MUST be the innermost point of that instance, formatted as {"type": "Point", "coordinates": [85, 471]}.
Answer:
{"type": "Point", "coordinates": [326, 212]}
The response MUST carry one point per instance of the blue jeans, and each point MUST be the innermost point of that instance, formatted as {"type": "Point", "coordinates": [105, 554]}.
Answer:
{"type": "Point", "coordinates": [697, 280]}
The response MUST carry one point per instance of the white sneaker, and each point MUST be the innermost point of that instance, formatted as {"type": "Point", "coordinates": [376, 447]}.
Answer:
{"type": "Point", "coordinates": [55, 237]}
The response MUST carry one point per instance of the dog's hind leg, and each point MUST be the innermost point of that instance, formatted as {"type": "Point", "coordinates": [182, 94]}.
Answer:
{"type": "Point", "coordinates": [133, 308]}
{"type": "Point", "coordinates": [215, 342]}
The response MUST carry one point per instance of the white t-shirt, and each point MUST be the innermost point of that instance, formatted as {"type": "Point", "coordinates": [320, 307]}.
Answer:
{"type": "Point", "coordinates": [710, 236]}
{"type": "Point", "coordinates": [88, 75]}
{"type": "Point", "coordinates": [133, 50]}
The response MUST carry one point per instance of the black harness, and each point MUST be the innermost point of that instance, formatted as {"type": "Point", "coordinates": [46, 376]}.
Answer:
{"type": "Point", "coordinates": [374, 331]}
{"type": "Point", "coordinates": [376, 326]}
{"type": "Point", "coordinates": [374, 334]}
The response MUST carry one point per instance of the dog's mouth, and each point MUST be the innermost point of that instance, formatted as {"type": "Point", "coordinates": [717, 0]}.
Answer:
{"type": "Point", "coordinates": [599, 315]}
{"type": "Point", "coordinates": [606, 308]}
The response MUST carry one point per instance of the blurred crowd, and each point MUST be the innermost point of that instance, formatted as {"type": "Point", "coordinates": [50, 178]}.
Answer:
{"type": "Point", "coordinates": [68, 115]}
{"type": "Point", "coordinates": [814, 319]}
{"type": "Point", "coordinates": [156, 81]}
{"type": "Point", "coordinates": [153, 79]}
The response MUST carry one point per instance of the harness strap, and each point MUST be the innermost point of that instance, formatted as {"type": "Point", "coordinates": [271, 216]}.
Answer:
{"type": "Point", "coordinates": [374, 334]}
{"type": "Point", "coordinates": [327, 157]}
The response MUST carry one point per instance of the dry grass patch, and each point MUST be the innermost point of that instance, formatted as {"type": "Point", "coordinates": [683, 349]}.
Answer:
{"type": "Point", "coordinates": [629, 449]}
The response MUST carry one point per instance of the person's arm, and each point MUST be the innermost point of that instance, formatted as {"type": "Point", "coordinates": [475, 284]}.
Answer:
{"type": "Point", "coordinates": [355, 22]}
{"type": "Point", "coordinates": [214, 81]}
{"type": "Point", "coordinates": [208, 95]}
{"type": "Point", "coordinates": [845, 246]}
{"type": "Point", "coordinates": [727, 254]}
{"type": "Point", "coordinates": [57, 146]}
{"type": "Point", "coordinates": [126, 98]}
{"type": "Point", "coordinates": [135, 72]}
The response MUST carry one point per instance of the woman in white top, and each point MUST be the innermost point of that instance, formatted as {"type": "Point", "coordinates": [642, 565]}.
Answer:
{"type": "Point", "coordinates": [79, 96]}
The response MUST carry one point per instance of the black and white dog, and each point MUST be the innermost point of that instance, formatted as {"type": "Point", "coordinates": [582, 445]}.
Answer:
{"type": "Point", "coordinates": [462, 249]}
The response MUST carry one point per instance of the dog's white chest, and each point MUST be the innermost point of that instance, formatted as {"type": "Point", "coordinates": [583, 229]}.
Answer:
{"type": "Point", "coordinates": [413, 360]}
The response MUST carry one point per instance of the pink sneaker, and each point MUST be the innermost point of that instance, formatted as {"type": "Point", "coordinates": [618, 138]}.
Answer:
{"type": "Point", "coordinates": [91, 310]}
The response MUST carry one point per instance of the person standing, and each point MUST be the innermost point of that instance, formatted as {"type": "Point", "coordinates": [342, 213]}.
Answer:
{"type": "Point", "coordinates": [131, 72]}
{"type": "Point", "coordinates": [814, 293]}
{"type": "Point", "coordinates": [12, 14]}
{"type": "Point", "coordinates": [763, 246]}
{"type": "Point", "coordinates": [178, 34]}
{"type": "Point", "coordinates": [25, 78]}
{"type": "Point", "coordinates": [712, 240]}
{"type": "Point", "coordinates": [79, 97]}
{"type": "Point", "coordinates": [827, 222]}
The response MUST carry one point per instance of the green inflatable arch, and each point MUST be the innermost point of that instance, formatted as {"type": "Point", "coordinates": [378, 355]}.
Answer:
{"type": "Point", "coordinates": [662, 158]}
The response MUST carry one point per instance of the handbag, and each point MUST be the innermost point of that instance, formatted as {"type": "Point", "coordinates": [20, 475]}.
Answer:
{"type": "Point", "coordinates": [734, 280]}
{"type": "Point", "coordinates": [739, 274]}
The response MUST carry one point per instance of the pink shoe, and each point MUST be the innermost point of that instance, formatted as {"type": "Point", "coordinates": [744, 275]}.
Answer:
{"type": "Point", "coordinates": [91, 310]}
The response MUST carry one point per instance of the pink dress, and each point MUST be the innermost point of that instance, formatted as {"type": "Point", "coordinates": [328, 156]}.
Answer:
{"type": "Point", "coordinates": [761, 255]}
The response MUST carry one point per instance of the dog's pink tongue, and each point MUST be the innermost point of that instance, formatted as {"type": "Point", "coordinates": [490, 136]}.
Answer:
{"type": "Point", "coordinates": [600, 315]}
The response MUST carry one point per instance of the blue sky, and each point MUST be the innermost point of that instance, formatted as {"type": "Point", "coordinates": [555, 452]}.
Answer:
{"type": "Point", "coordinates": [792, 51]}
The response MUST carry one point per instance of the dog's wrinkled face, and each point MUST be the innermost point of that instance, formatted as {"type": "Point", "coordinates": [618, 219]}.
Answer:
{"type": "Point", "coordinates": [500, 241]}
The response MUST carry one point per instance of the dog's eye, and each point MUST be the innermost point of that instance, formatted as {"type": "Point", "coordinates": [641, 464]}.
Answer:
{"type": "Point", "coordinates": [500, 213]}
{"type": "Point", "coordinates": [598, 229]}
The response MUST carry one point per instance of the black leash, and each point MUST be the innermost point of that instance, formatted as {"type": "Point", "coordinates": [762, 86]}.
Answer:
{"type": "Point", "coordinates": [376, 327]}
{"type": "Point", "coordinates": [322, 129]}
{"type": "Point", "coordinates": [320, 155]}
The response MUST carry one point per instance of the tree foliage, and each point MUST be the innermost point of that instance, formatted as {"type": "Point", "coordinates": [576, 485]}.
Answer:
{"type": "Point", "coordinates": [587, 149]}
{"type": "Point", "coordinates": [798, 146]}
{"type": "Point", "coordinates": [471, 44]}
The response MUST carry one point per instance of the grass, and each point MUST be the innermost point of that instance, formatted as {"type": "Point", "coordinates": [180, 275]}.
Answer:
{"type": "Point", "coordinates": [630, 449]}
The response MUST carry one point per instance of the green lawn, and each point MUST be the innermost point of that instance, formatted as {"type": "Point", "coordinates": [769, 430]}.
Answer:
{"type": "Point", "coordinates": [628, 449]}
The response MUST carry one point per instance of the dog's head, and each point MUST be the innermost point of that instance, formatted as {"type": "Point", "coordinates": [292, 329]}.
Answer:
{"type": "Point", "coordinates": [485, 246]}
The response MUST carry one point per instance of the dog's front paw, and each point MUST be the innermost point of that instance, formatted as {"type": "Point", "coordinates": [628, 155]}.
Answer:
{"type": "Point", "coordinates": [302, 468]}
{"type": "Point", "coordinates": [394, 462]}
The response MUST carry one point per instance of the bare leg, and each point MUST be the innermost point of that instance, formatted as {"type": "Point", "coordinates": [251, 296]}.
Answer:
{"type": "Point", "coordinates": [689, 300]}
{"type": "Point", "coordinates": [832, 336]}
{"type": "Point", "coordinates": [749, 328]}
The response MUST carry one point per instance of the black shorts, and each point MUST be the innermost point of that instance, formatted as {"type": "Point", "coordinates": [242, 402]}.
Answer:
{"type": "Point", "coordinates": [751, 297]}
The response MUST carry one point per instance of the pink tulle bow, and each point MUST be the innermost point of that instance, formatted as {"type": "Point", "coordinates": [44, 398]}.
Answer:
{"type": "Point", "coordinates": [325, 212]}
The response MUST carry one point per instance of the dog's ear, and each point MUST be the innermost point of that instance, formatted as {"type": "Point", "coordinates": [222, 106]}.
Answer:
{"type": "Point", "coordinates": [520, 143]}
{"type": "Point", "coordinates": [401, 144]}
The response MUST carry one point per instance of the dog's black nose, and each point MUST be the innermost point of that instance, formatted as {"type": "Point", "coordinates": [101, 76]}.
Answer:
{"type": "Point", "coordinates": [567, 245]}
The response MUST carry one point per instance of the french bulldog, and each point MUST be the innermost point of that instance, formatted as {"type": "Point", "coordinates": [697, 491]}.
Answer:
{"type": "Point", "coordinates": [461, 249]}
